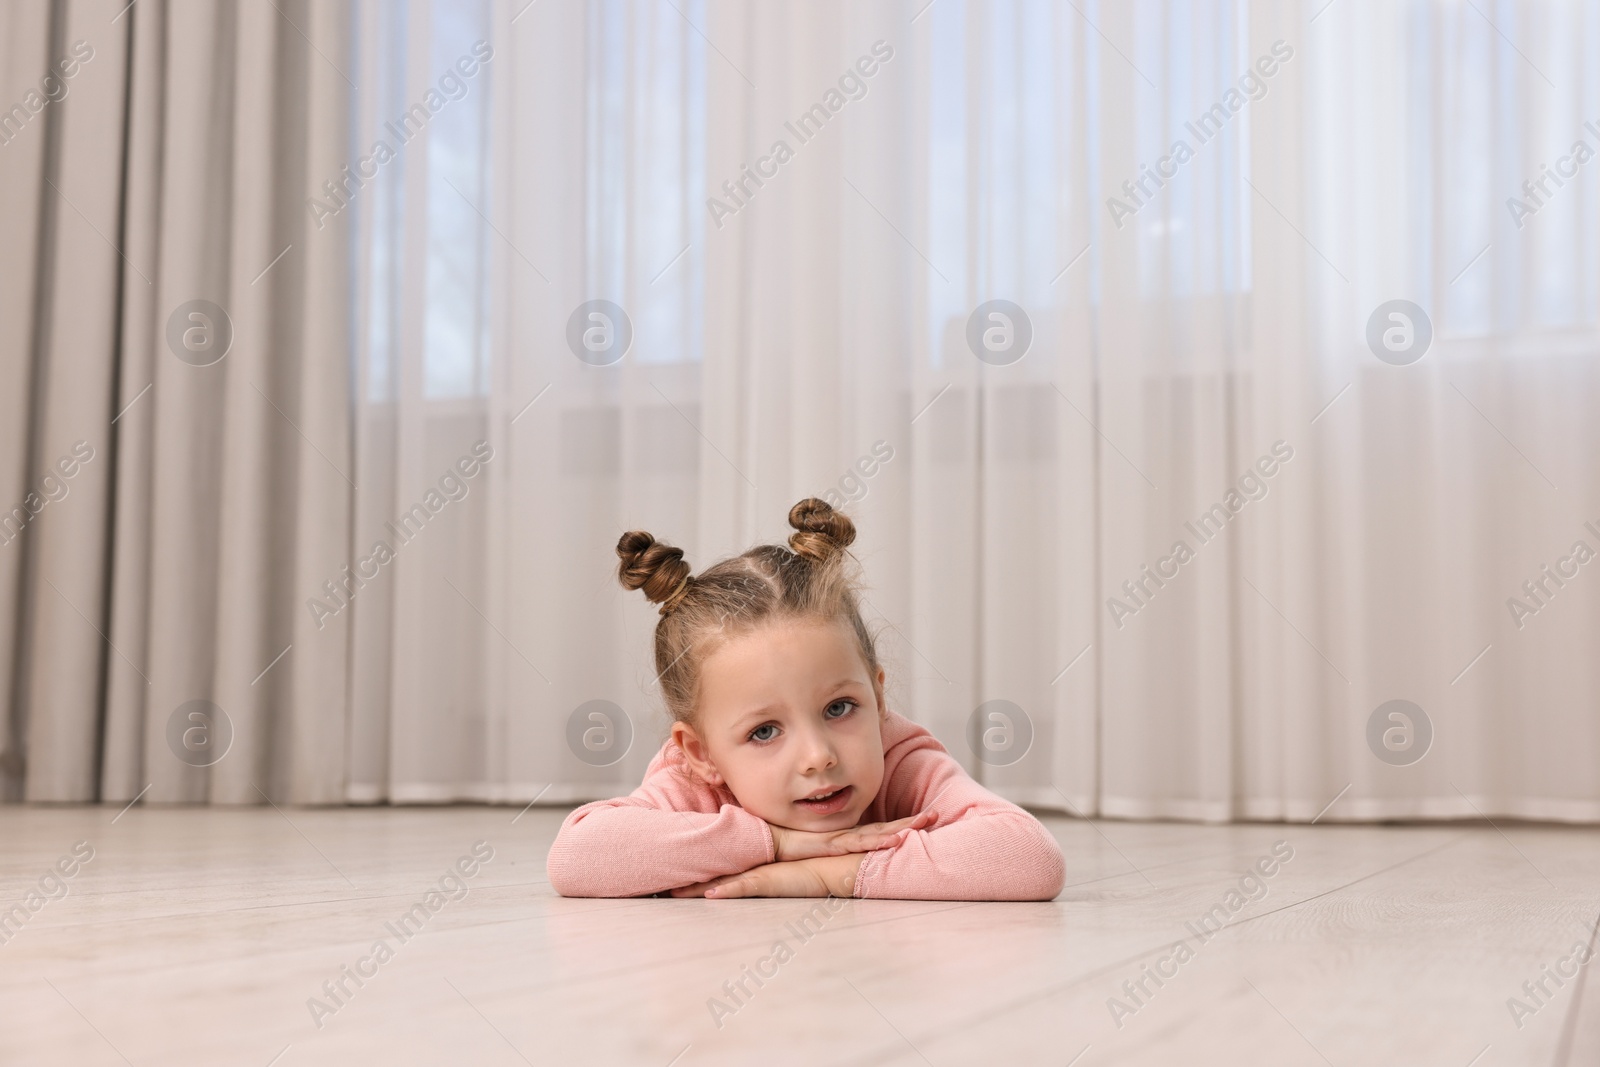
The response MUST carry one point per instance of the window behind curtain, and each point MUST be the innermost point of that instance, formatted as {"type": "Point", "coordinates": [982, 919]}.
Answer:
{"type": "Point", "coordinates": [645, 171]}
{"type": "Point", "coordinates": [455, 351]}
{"type": "Point", "coordinates": [1484, 119]}
{"type": "Point", "coordinates": [456, 334]}
{"type": "Point", "coordinates": [1473, 108]}
{"type": "Point", "coordinates": [1474, 104]}
{"type": "Point", "coordinates": [644, 184]}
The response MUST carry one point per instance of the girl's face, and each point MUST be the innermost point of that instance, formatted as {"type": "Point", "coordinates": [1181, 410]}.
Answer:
{"type": "Point", "coordinates": [785, 713]}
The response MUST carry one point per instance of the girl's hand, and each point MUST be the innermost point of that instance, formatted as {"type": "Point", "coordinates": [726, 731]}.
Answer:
{"type": "Point", "coordinates": [808, 844]}
{"type": "Point", "coordinates": [823, 876]}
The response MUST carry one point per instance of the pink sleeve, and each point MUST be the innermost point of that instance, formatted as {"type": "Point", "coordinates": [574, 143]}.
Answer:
{"type": "Point", "coordinates": [980, 847]}
{"type": "Point", "coordinates": [665, 834]}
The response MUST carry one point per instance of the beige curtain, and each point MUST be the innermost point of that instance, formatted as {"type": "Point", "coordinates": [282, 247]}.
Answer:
{"type": "Point", "coordinates": [210, 456]}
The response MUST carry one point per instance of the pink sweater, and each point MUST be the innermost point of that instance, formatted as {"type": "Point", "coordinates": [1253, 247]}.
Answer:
{"type": "Point", "coordinates": [676, 830]}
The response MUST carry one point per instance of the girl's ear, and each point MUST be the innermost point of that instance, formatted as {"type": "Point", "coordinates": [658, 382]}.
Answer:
{"type": "Point", "coordinates": [694, 752]}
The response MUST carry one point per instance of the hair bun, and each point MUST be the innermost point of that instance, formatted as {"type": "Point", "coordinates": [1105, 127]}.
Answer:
{"type": "Point", "coordinates": [657, 568]}
{"type": "Point", "coordinates": [821, 533]}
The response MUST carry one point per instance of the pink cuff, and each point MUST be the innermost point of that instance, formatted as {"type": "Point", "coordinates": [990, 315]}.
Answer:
{"type": "Point", "coordinates": [870, 870]}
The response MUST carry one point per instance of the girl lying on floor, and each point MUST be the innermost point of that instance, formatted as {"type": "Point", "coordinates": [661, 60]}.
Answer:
{"type": "Point", "coordinates": [785, 774]}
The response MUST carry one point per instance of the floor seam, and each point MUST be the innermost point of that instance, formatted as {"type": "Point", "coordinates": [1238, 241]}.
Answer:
{"type": "Point", "coordinates": [1569, 1024]}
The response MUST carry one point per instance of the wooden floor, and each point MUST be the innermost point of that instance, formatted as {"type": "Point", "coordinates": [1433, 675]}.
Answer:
{"type": "Point", "coordinates": [200, 936]}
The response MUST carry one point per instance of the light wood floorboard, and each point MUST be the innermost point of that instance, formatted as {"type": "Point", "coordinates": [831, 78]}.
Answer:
{"type": "Point", "coordinates": [197, 936]}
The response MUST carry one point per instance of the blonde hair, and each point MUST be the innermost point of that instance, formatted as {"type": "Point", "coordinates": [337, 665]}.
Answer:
{"type": "Point", "coordinates": [812, 578]}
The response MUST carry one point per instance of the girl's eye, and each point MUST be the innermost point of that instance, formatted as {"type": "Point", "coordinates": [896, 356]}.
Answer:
{"type": "Point", "coordinates": [844, 704]}
{"type": "Point", "coordinates": [849, 706]}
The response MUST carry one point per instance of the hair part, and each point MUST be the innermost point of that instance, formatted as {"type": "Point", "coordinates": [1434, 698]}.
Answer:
{"type": "Point", "coordinates": [814, 577]}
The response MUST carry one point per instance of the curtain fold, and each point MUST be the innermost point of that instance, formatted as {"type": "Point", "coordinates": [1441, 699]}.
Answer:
{"type": "Point", "coordinates": [61, 370]}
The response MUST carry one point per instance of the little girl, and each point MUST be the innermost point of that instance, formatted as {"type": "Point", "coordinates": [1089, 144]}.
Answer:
{"type": "Point", "coordinates": [785, 774]}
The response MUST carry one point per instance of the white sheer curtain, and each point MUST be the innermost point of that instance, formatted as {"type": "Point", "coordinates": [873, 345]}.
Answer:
{"type": "Point", "coordinates": [814, 327]}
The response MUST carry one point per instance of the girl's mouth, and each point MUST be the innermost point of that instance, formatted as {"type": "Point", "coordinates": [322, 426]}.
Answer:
{"type": "Point", "coordinates": [830, 803]}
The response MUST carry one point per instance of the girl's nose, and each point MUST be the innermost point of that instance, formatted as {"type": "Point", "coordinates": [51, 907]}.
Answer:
{"type": "Point", "coordinates": [819, 755]}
